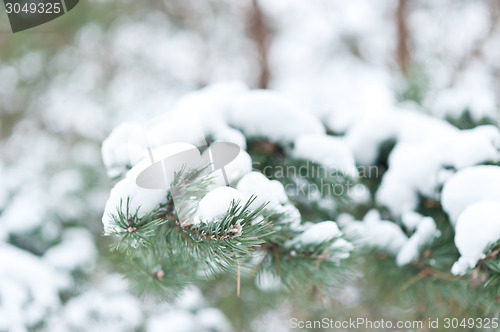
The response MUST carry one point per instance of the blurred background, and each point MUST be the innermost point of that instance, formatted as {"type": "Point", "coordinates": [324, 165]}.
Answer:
{"type": "Point", "coordinates": [66, 84]}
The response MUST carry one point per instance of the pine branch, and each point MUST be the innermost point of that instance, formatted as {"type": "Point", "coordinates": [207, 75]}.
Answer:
{"type": "Point", "coordinates": [161, 254]}
{"type": "Point", "coordinates": [158, 242]}
{"type": "Point", "coordinates": [158, 275]}
{"type": "Point", "coordinates": [302, 267]}
{"type": "Point", "coordinates": [133, 233]}
{"type": "Point", "coordinates": [220, 244]}
{"type": "Point", "coordinates": [316, 175]}
{"type": "Point", "coordinates": [313, 266]}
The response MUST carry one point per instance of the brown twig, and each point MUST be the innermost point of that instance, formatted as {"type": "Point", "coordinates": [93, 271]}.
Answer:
{"type": "Point", "coordinates": [259, 33]}
{"type": "Point", "coordinates": [428, 272]}
{"type": "Point", "coordinates": [403, 53]}
{"type": "Point", "coordinates": [238, 282]}
{"type": "Point", "coordinates": [277, 258]}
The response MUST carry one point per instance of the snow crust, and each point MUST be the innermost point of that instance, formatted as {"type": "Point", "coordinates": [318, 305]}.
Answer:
{"type": "Point", "coordinates": [328, 151]}
{"type": "Point", "coordinates": [17, 219]}
{"type": "Point", "coordinates": [117, 149]}
{"type": "Point", "coordinates": [216, 203]}
{"type": "Point", "coordinates": [235, 170]}
{"type": "Point", "coordinates": [468, 186]}
{"type": "Point", "coordinates": [140, 200]}
{"type": "Point", "coordinates": [418, 161]}
{"type": "Point", "coordinates": [425, 232]}
{"type": "Point", "coordinates": [265, 190]}
{"type": "Point", "coordinates": [29, 288]}
{"type": "Point", "coordinates": [403, 125]}
{"type": "Point", "coordinates": [76, 251]}
{"type": "Point", "coordinates": [477, 228]}
{"type": "Point", "coordinates": [375, 232]}
{"type": "Point", "coordinates": [427, 152]}
{"type": "Point", "coordinates": [316, 233]}
{"type": "Point", "coordinates": [283, 121]}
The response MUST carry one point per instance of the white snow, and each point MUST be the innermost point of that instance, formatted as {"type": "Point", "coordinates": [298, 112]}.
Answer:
{"type": "Point", "coordinates": [76, 251]}
{"type": "Point", "coordinates": [172, 321]}
{"type": "Point", "coordinates": [216, 202]}
{"type": "Point", "coordinates": [477, 228]}
{"type": "Point", "coordinates": [292, 215]}
{"type": "Point", "coordinates": [29, 288]}
{"type": "Point", "coordinates": [468, 186]}
{"type": "Point", "coordinates": [212, 319]}
{"type": "Point", "coordinates": [267, 281]}
{"type": "Point", "coordinates": [219, 111]}
{"type": "Point", "coordinates": [388, 237]}
{"type": "Point", "coordinates": [235, 170]}
{"type": "Point", "coordinates": [425, 148]}
{"type": "Point", "coordinates": [342, 88]}
{"type": "Point", "coordinates": [117, 149]}
{"type": "Point", "coordinates": [165, 156]}
{"type": "Point", "coordinates": [174, 127]}
{"type": "Point", "coordinates": [454, 102]}
{"type": "Point", "coordinates": [359, 194]}
{"type": "Point", "coordinates": [411, 219]}
{"type": "Point", "coordinates": [474, 146]}
{"type": "Point", "coordinates": [344, 248]}
{"type": "Point", "coordinates": [224, 133]}
{"type": "Point", "coordinates": [3, 190]}
{"type": "Point", "coordinates": [473, 92]}
{"type": "Point", "coordinates": [315, 233]}
{"type": "Point", "coordinates": [355, 90]}
{"type": "Point", "coordinates": [329, 151]}
{"type": "Point", "coordinates": [425, 233]}
{"type": "Point", "coordinates": [17, 218]}
{"type": "Point", "coordinates": [269, 115]}
{"type": "Point", "coordinates": [406, 125]}
{"type": "Point", "coordinates": [141, 201]}
{"type": "Point", "coordinates": [400, 188]}
{"type": "Point", "coordinates": [178, 320]}
{"type": "Point", "coordinates": [210, 106]}
{"type": "Point", "coordinates": [107, 306]}
{"type": "Point", "coordinates": [265, 190]}
{"type": "Point", "coordinates": [375, 232]}
{"type": "Point", "coordinates": [191, 298]}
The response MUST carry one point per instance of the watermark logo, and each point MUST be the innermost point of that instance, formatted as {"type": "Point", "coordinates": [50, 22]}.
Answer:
{"type": "Point", "coordinates": [192, 153]}
{"type": "Point", "coordinates": [27, 14]}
